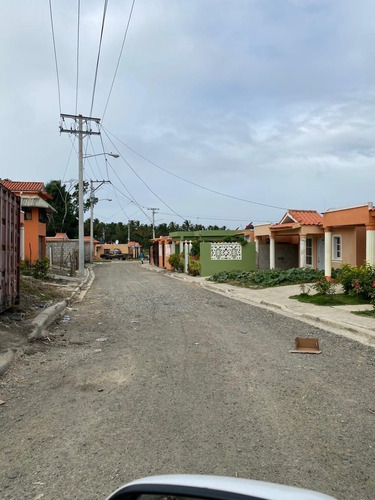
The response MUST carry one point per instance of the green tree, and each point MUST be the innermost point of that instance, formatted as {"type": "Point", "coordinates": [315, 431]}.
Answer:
{"type": "Point", "coordinates": [65, 220]}
{"type": "Point", "coordinates": [66, 202]}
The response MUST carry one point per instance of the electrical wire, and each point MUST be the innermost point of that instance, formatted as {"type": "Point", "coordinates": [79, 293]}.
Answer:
{"type": "Point", "coordinates": [55, 53]}
{"type": "Point", "coordinates": [212, 218]}
{"type": "Point", "coordinates": [127, 190]}
{"type": "Point", "coordinates": [119, 59]}
{"type": "Point", "coordinates": [70, 155]}
{"type": "Point", "coordinates": [140, 178]}
{"type": "Point", "coordinates": [78, 30]}
{"type": "Point", "coordinates": [191, 182]}
{"type": "Point", "coordinates": [98, 58]}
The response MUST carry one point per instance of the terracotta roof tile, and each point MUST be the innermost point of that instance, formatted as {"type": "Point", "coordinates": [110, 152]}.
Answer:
{"type": "Point", "coordinates": [307, 217]}
{"type": "Point", "coordinates": [26, 187]}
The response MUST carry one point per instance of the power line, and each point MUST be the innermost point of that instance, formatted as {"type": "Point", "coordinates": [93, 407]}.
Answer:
{"type": "Point", "coordinates": [213, 218]}
{"type": "Point", "coordinates": [70, 155]}
{"type": "Point", "coordinates": [119, 58]}
{"type": "Point", "coordinates": [98, 58]}
{"type": "Point", "coordinates": [191, 182]}
{"type": "Point", "coordinates": [140, 178]}
{"type": "Point", "coordinates": [78, 24]}
{"type": "Point", "coordinates": [131, 196]}
{"type": "Point", "coordinates": [54, 50]}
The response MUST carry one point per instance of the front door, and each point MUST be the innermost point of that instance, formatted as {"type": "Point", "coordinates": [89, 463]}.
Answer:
{"type": "Point", "coordinates": [320, 254]}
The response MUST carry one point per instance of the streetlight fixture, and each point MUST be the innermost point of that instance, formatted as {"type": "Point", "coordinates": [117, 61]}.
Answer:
{"type": "Point", "coordinates": [99, 154]}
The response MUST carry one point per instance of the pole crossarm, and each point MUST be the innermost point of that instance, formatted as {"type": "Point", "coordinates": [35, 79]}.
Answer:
{"type": "Point", "coordinates": [81, 119]}
{"type": "Point", "coordinates": [97, 187]}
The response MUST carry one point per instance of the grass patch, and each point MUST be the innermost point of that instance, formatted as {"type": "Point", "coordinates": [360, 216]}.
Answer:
{"type": "Point", "coordinates": [369, 313]}
{"type": "Point", "coordinates": [337, 299]}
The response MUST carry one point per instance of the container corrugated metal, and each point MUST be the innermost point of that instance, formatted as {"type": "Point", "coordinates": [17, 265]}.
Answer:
{"type": "Point", "coordinates": [10, 210]}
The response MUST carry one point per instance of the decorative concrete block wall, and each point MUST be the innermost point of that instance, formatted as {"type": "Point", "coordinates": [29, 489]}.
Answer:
{"type": "Point", "coordinates": [217, 257]}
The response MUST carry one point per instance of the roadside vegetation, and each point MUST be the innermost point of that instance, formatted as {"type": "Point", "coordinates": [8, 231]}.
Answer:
{"type": "Point", "coordinates": [349, 285]}
{"type": "Point", "coordinates": [268, 277]}
{"type": "Point", "coordinates": [38, 270]}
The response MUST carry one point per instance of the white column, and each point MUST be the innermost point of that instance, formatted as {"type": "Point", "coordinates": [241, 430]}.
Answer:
{"type": "Point", "coordinates": [370, 246]}
{"type": "Point", "coordinates": [302, 251]}
{"type": "Point", "coordinates": [256, 240]}
{"type": "Point", "coordinates": [272, 253]}
{"type": "Point", "coordinates": [181, 246]}
{"type": "Point", "coordinates": [186, 263]}
{"type": "Point", "coordinates": [190, 246]}
{"type": "Point", "coordinates": [328, 252]}
{"type": "Point", "coordinates": [257, 245]}
{"type": "Point", "coordinates": [173, 247]}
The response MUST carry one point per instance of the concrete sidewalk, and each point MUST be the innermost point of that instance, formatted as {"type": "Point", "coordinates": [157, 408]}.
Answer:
{"type": "Point", "coordinates": [337, 319]}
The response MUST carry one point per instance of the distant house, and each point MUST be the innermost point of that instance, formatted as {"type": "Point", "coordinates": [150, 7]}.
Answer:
{"type": "Point", "coordinates": [296, 241]}
{"type": "Point", "coordinates": [35, 209]}
{"type": "Point", "coordinates": [134, 249]}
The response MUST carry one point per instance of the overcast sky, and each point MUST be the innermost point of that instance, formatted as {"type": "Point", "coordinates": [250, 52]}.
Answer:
{"type": "Point", "coordinates": [270, 101]}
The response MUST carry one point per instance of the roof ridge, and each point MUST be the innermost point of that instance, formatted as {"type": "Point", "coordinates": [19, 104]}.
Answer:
{"type": "Point", "coordinates": [302, 210]}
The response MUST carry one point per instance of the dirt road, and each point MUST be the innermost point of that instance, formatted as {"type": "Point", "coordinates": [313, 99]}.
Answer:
{"type": "Point", "coordinates": [153, 375]}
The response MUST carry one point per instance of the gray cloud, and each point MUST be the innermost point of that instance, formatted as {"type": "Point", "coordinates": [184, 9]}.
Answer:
{"type": "Point", "coordinates": [268, 101]}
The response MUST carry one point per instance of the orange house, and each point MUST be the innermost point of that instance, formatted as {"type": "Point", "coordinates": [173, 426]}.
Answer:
{"type": "Point", "coordinates": [296, 241]}
{"type": "Point", "coordinates": [349, 236]}
{"type": "Point", "coordinates": [35, 209]}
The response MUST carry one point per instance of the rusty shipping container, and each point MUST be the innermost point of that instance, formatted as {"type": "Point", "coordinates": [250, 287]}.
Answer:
{"type": "Point", "coordinates": [10, 210]}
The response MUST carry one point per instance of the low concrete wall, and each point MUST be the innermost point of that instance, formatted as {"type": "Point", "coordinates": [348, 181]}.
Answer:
{"type": "Point", "coordinates": [63, 253]}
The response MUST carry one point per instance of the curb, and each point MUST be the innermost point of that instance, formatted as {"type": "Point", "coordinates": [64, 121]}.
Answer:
{"type": "Point", "coordinates": [345, 329]}
{"type": "Point", "coordinates": [46, 318]}
{"type": "Point", "coordinates": [51, 314]}
{"type": "Point", "coordinates": [6, 359]}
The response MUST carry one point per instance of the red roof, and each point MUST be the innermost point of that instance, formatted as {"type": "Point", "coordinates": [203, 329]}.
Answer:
{"type": "Point", "coordinates": [307, 217]}
{"type": "Point", "coordinates": [295, 218]}
{"type": "Point", "coordinates": [26, 187]}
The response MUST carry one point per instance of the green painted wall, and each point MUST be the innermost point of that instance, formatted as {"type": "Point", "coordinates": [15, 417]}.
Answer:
{"type": "Point", "coordinates": [210, 267]}
{"type": "Point", "coordinates": [210, 235]}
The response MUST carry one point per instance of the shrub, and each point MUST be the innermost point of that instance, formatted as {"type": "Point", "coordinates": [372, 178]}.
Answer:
{"type": "Point", "coordinates": [176, 262]}
{"type": "Point", "coordinates": [325, 286]}
{"type": "Point", "coordinates": [359, 281]}
{"type": "Point", "coordinates": [269, 277]}
{"type": "Point", "coordinates": [194, 268]}
{"type": "Point", "coordinates": [39, 270]}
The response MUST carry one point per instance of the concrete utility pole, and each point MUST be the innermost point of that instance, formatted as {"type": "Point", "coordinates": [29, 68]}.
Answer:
{"type": "Point", "coordinates": [92, 199]}
{"type": "Point", "coordinates": [79, 119]}
{"type": "Point", "coordinates": [129, 221]}
{"type": "Point", "coordinates": [153, 220]}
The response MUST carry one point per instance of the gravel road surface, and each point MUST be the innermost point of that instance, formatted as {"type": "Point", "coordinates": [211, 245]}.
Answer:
{"type": "Point", "coordinates": [153, 375]}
